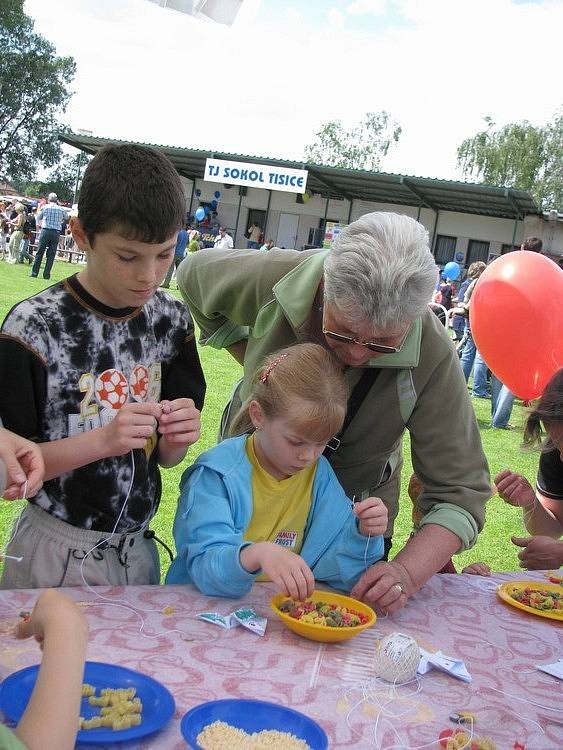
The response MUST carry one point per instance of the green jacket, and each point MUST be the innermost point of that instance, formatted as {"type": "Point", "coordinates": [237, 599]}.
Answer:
{"type": "Point", "coordinates": [267, 298]}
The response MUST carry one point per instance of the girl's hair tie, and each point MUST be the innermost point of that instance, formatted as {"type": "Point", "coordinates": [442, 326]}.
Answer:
{"type": "Point", "coordinates": [266, 374]}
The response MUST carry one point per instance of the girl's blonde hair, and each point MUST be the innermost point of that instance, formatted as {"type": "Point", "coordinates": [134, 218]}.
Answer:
{"type": "Point", "coordinates": [306, 373]}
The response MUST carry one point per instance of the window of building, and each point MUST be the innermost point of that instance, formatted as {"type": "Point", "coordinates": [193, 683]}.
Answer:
{"type": "Point", "coordinates": [444, 250]}
{"type": "Point", "coordinates": [509, 249]}
{"type": "Point", "coordinates": [477, 250]}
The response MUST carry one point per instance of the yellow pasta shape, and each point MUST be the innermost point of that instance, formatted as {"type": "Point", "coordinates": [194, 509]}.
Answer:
{"type": "Point", "coordinates": [88, 690]}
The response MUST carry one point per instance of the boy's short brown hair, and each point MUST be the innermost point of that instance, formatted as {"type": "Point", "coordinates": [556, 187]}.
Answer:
{"type": "Point", "coordinates": [532, 244]}
{"type": "Point", "coordinates": [134, 191]}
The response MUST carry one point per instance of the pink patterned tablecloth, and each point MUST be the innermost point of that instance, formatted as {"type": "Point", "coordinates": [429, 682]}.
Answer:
{"type": "Point", "coordinates": [458, 614]}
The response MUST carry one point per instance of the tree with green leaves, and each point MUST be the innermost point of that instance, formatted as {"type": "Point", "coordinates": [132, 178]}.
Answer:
{"type": "Point", "coordinates": [62, 180]}
{"type": "Point", "coordinates": [33, 94]}
{"type": "Point", "coordinates": [518, 155]}
{"type": "Point", "coordinates": [361, 147]}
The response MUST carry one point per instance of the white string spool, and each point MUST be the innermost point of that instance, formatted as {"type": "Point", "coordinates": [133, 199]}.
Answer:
{"type": "Point", "coordinates": [397, 658]}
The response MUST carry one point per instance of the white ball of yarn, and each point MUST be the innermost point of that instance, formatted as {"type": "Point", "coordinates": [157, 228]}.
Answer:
{"type": "Point", "coordinates": [397, 658]}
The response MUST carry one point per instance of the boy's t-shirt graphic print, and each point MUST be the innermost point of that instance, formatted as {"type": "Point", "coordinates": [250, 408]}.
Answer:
{"type": "Point", "coordinates": [68, 364]}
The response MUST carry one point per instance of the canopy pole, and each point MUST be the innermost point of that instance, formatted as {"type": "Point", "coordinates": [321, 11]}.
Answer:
{"type": "Point", "coordinates": [514, 232]}
{"type": "Point", "coordinates": [419, 210]}
{"type": "Point", "coordinates": [267, 213]}
{"type": "Point", "coordinates": [350, 210]}
{"type": "Point", "coordinates": [191, 198]}
{"type": "Point", "coordinates": [433, 243]}
{"type": "Point", "coordinates": [238, 214]}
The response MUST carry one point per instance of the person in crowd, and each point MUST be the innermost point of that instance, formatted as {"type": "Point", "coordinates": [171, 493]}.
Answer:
{"type": "Point", "coordinates": [52, 216]}
{"type": "Point", "coordinates": [267, 505]}
{"type": "Point", "coordinates": [179, 255]}
{"type": "Point", "coordinates": [367, 301]}
{"type": "Point", "coordinates": [16, 237]}
{"type": "Point", "coordinates": [445, 291]}
{"type": "Point", "coordinates": [109, 382]}
{"type": "Point", "coordinates": [223, 239]}
{"type": "Point", "coordinates": [532, 245]}
{"type": "Point", "coordinates": [194, 243]}
{"type": "Point", "coordinates": [502, 399]}
{"type": "Point", "coordinates": [543, 507]}
{"type": "Point", "coordinates": [267, 245]}
{"type": "Point", "coordinates": [459, 318]}
{"type": "Point", "coordinates": [254, 233]}
{"type": "Point", "coordinates": [467, 346]}
{"type": "Point", "coordinates": [28, 234]}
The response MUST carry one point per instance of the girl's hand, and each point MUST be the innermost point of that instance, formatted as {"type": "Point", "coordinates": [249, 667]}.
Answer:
{"type": "Point", "coordinates": [288, 571]}
{"type": "Point", "coordinates": [515, 489]}
{"type": "Point", "coordinates": [372, 516]}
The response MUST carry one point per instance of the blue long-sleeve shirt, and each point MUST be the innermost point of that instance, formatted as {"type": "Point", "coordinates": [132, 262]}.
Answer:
{"type": "Point", "coordinates": [215, 509]}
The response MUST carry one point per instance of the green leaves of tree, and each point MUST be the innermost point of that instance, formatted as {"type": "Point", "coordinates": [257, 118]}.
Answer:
{"type": "Point", "coordinates": [361, 147]}
{"type": "Point", "coordinates": [518, 155]}
{"type": "Point", "coordinates": [33, 93]}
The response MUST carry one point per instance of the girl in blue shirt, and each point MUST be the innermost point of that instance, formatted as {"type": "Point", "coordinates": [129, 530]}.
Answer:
{"type": "Point", "coordinates": [266, 504]}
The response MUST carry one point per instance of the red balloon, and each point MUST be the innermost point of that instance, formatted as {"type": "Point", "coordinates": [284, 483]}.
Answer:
{"type": "Point", "coordinates": [516, 318]}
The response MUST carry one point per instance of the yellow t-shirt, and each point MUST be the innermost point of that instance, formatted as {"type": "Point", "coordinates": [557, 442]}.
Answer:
{"type": "Point", "coordinates": [280, 507]}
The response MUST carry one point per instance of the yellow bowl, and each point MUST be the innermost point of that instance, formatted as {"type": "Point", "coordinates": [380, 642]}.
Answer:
{"type": "Point", "coordinates": [325, 633]}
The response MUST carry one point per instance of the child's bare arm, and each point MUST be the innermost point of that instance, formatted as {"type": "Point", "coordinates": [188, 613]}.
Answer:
{"type": "Point", "coordinates": [131, 428]}
{"type": "Point", "coordinates": [51, 717]}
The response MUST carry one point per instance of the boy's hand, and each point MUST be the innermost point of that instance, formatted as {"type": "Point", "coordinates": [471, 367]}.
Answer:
{"type": "Point", "coordinates": [515, 489]}
{"type": "Point", "coordinates": [372, 516]}
{"type": "Point", "coordinates": [288, 571]}
{"type": "Point", "coordinates": [52, 610]}
{"type": "Point", "coordinates": [24, 462]}
{"type": "Point", "coordinates": [131, 428]}
{"type": "Point", "coordinates": [180, 422]}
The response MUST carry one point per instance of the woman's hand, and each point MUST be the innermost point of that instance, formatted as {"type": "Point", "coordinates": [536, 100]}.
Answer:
{"type": "Point", "coordinates": [539, 552]}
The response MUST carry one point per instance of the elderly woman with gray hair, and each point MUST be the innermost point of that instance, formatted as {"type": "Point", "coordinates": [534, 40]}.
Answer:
{"type": "Point", "coordinates": [367, 301]}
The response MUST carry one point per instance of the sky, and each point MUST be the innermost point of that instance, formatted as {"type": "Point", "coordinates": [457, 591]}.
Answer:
{"type": "Point", "coordinates": [265, 85]}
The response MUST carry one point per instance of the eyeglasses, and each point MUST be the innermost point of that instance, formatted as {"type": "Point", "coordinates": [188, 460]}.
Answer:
{"type": "Point", "coordinates": [371, 345]}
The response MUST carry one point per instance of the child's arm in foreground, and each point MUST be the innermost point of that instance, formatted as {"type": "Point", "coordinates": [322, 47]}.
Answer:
{"type": "Point", "coordinates": [23, 462]}
{"type": "Point", "coordinates": [542, 515]}
{"type": "Point", "coordinates": [51, 717]}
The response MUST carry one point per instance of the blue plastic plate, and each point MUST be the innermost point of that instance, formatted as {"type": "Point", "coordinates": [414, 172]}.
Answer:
{"type": "Point", "coordinates": [252, 716]}
{"type": "Point", "coordinates": [158, 703]}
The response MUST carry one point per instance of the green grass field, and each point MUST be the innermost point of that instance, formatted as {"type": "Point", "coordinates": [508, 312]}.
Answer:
{"type": "Point", "coordinates": [221, 371]}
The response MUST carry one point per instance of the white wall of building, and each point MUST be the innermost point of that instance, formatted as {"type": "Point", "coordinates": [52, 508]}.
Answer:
{"type": "Point", "coordinates": [464, 227]}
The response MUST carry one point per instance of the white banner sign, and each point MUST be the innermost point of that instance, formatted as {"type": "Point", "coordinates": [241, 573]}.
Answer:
{"type": "Point", "coordinates": [264, 176]}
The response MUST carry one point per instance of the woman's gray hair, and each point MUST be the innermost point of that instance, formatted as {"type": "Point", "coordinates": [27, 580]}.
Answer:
{"type": "Point", "coordinates": [380, 269]}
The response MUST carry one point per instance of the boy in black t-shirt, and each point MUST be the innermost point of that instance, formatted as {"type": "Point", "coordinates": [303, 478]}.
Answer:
{"type": "Point", "coordinates": [102, 371]}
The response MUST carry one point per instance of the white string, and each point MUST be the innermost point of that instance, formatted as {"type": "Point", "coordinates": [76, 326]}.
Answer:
{"type": "Point", "coordinates": [15, 531]}
{"type": "Point", "coordinates": [524, 700]}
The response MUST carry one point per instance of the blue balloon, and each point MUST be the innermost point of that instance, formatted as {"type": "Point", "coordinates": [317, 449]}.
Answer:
{"type": "Point", "coordinates": [200, 214]}
{"type": "Point", "coordinates": [214, 204]}
{"type": "Point", "coordinates": [452, 270]}
{"type": "Point", "coordinates": [217, 194]}
{"type": "Point", "coordinates": [198, 192]}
